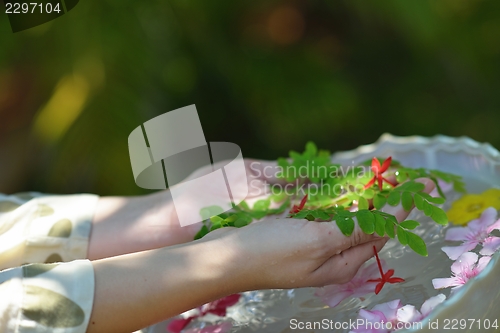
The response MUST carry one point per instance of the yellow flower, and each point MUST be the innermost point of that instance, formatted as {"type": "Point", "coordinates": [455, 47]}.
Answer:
{"type": "Point", "coordinates": [470, 206]}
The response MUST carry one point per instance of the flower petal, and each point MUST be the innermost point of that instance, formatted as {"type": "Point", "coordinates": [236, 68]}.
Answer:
{"type": "Point", "coordinates": [494, 226]}
{"type": "Point", "coordinates": [487, 218]}
{"type": "Point", "coordinates": [430, 304]}
{"type": "Point", "coordinates": [389, 309]}
{"type": "Point", "coordinates": [464, 263]}
{"type": "Point", "coordinates": [454, 252]}
{"type": "Point", "coordinates": [396, 280]}
{"type": "Point", "coordinates": [408, 314]}
{"type": "Point", "coordinates": [386, 164]}
{"type": "Point", "coordinates": [227, 301]}
{"type": "Point", "coordinates": [457, 234]}
{"type": "Point", "coordinates": [177, 325]}
{"type": "Point", "coordinates": [370, 183]}
{"type": "Point", "coordinates": [482, 263]}
{"type": "Point", "coordinates": [490, 246]}
{"type": "Point", "coordinates": [375, 165]}
{"type": "Point", "coordinates": [372, 316]}
{"type": "Point", "coordinates": [442, 283]}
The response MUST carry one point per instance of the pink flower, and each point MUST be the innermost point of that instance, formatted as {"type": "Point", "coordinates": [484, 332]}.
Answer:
{"type": "Point", "coordinates": [381, 319]}
{"type": "Point", "coordinates": [463, 269]}
{"type": "Point", "coordinates": [359, 286]}
{"type": "Point", "coordinates": [408, 313]}
{"type": "Point", "coordinates": [477, 232]}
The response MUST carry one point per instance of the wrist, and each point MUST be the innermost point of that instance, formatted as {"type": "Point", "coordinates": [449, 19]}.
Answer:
{"type": "Point", "coordinates": [239, 266]}
{"type": "Point", "coordinates": [220, 268]}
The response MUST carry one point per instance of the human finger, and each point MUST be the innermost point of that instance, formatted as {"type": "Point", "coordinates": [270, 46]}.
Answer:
{"type": "Point", "coordinates": [342, 267]}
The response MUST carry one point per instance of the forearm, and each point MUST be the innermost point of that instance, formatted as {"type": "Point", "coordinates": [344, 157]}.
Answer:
{"type": "Point", "coordinates": [131, 224]}
{"type": "Point", "coordinates": [136, 290]}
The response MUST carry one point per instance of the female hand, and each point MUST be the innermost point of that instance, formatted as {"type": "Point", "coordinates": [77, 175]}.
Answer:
{"type": "Point", "coordinates": [291, 253]}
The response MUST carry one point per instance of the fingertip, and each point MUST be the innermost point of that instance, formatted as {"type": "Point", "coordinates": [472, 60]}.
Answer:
{"type": "Point", "coordinates": [429, 184]}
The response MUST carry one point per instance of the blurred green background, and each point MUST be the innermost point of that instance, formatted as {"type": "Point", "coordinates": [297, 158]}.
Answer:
{"type": "Point", "coordinates": [266, 75]}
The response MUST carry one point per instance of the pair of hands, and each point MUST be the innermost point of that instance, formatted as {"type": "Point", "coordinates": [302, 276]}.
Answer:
{"type": "Point", "coordinates": [135, 288]}
{"type": "Point", "coordinates": [291, 253]}
{"type": "Point", "coordinates": [273, 253]}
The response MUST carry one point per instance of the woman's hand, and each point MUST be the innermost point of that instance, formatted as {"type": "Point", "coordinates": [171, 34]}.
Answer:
{"type": "Point", "coordinates": [291, 253]}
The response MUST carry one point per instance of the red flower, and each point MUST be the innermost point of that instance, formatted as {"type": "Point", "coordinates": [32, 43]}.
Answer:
{"type": "Point", "coordinates": [217, 308]}
{"type": "Point", "coordinates": [385, 278]}
{"type": "Point", "coordinates": [295, 209]}
{"type": "Point", "coordinates": [378, 170]}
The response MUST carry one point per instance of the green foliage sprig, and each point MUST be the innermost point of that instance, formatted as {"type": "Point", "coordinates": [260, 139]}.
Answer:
{"type": "Point", "coordinates": [331, 191]}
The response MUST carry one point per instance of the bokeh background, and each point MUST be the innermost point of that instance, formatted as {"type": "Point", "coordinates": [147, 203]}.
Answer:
{"type": "Point", "coordinates": [266, 75]}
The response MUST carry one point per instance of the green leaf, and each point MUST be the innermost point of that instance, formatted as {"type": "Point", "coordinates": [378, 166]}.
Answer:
{"type": "Point", "coordinates": [414, 186]}
{"type": "Point", "coordinates": [394, 198]}
{"type": "Point", "coordinates": [459, 186]}
{"type": "Point", "coordinates": [436, 200]}
{"type": "Point", "coordinates": [203, 231]}
{"type": "Point", "coordinates": [240, 223]}
{"type": "Point", "coordinates": [320, 214]}
{"type": "Point", "coordinates": [366, 221]}
{"type": "Point", "coordinates": [301, 215]}
{"type": "Point", "coordinates": [216, 219]}
{"type": "Point", "coordinates": [215, 226]}
{"type": "Point", "coordinates": [379, 201]}
{"type": "Point", "coordinates": [262, 205]}
{"type": "Point", "coordinates": [244, 205]}
{"type": "Point", "coordinates": [311, 149]}
{"type": "Point", "coordinates": [363, 203]}
{"type": "Point", "coordinates": [207, 212]}
{"type": "Point", "coordinates": [401, 177]}
{"type": "Point", "coordinates": [345, 224]}
{"type": "Point", "coordinates": [310, 217]}
{"type": "Point", "coordinates": [402, 236]}
{"type": "Point", "coordinates": [245, 216]}
{"type": "Point", "coordinates": [389, 228]}
{"type": "Point", "coordinates": [439, 215]}
{"type": "Point", "coordinates": [231, 218]}
{"type": "Point", "coordinates": [419, 201]}
{"type": "Point", "coordinates": [368, 193]}
{"type": "Point", "coordinates": [416, 244]}
{"type": "Point", "coordinates": [428, 208]}
{"type": "Point", "coordinates": [409, 224]}
{"type": "Point", "coordinates": [379, 225]}
{"type": "Point", "coordinates": [258, 214]}
{"type": "Point", "coordinates": [407, 201]}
